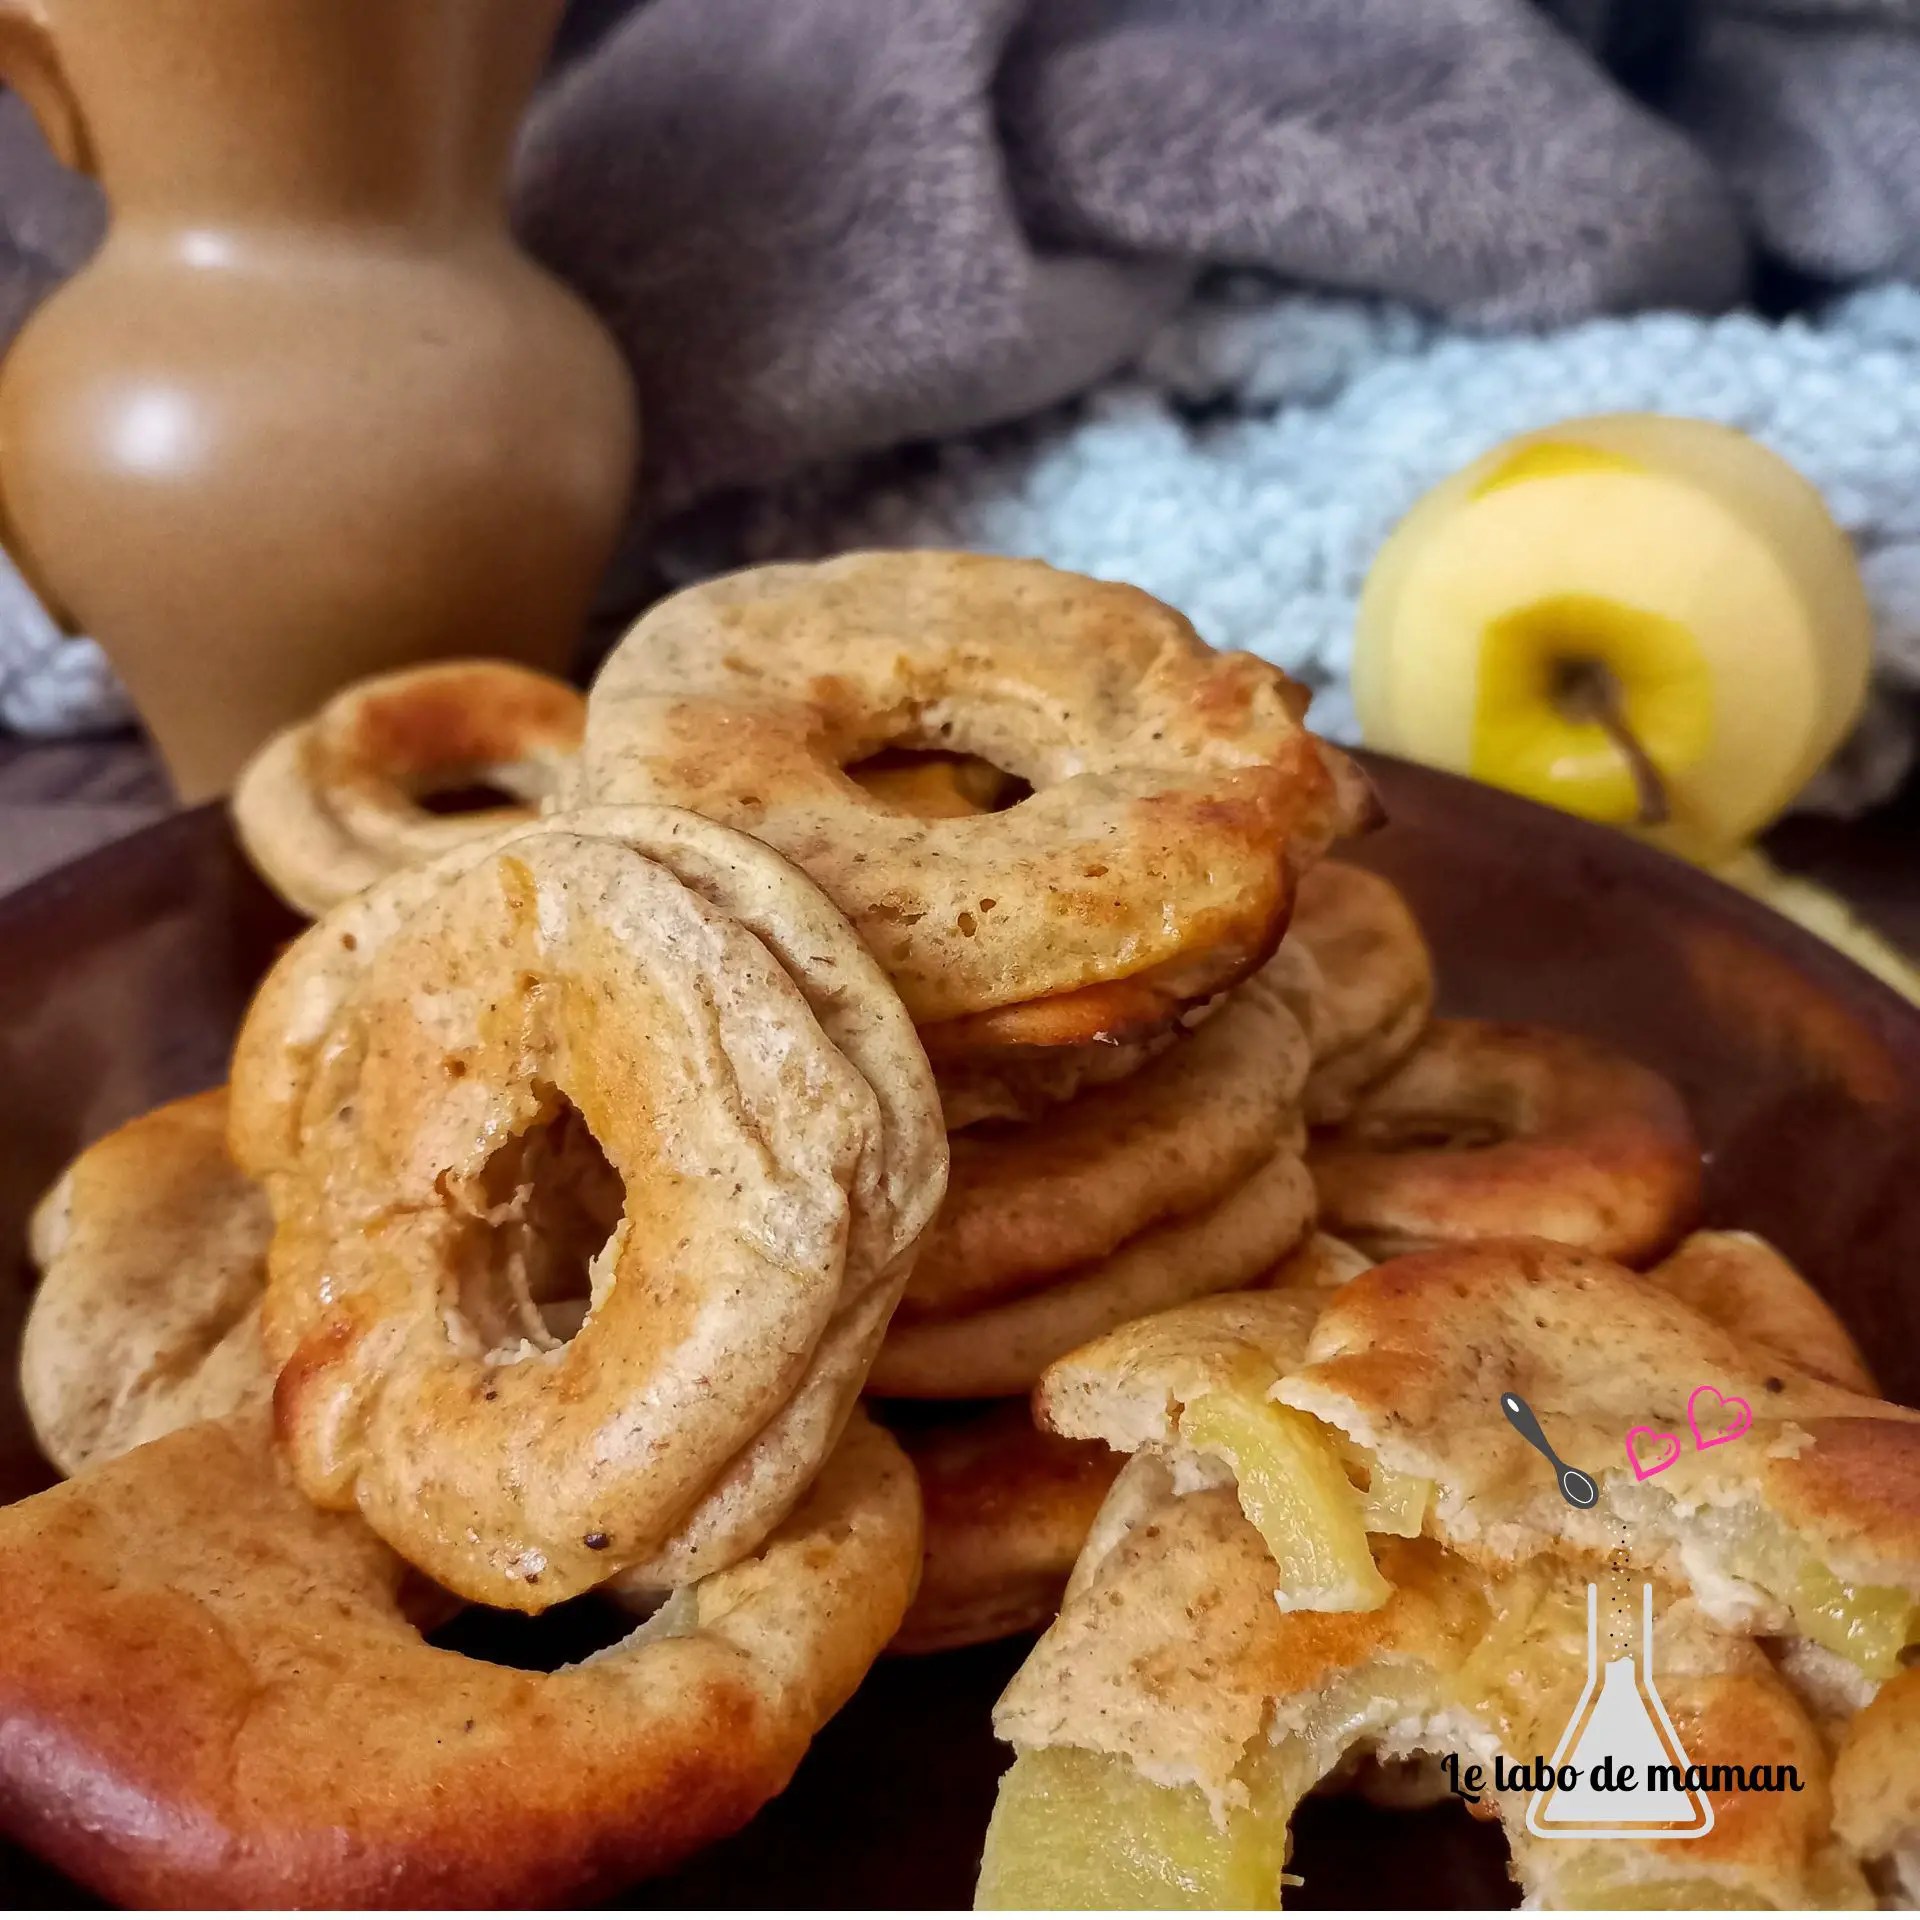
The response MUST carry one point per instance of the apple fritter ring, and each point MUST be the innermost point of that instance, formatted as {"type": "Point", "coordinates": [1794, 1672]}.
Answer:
{"type": "Point", "coordinates": [1007, 1511]}
{"type": "Point", "coordinates": [1488, 1130]}
{"type": "Point", "coordinates": [1166, 1726]}
{"type": "Point", "coordinates": [291, 1031]}
{"type": "Point", "coordinates": [1373, 977]}
{"type": "Point", "coordinates": [564, 978]}
{"type": "Point", "coordinates": [1174, 790]}
{"type": "Point", "coordinates": [1027, 1202]}
{"type": "Point", "coordinates": [1130, 1387]}
{"type": "Point", "coordinates": [1004, 1349]}
{"type": "Point", "coordinates": [152, 1248]}
{"type": "Point", "coordinates": [327, 807]}
{"type": "Point", "coordinates": [212, 1696]}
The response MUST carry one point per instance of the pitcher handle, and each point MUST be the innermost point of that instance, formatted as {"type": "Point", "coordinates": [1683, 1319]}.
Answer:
{"type": "Point", "coordinates": [31, 66]}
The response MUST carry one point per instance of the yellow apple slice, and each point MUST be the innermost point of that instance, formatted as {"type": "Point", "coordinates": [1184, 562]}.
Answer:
{"type": "Point", "coordinates": [1084, 1832]}
{"type": "Point", "coordinates": [1606, 1888]}
{"type": "Point", "coordinates": [1395, 1503]}
{"type": "Point", "coordinates": [1871, 1626]}
{"type": "Point", "coordinates": [1294, 1489]}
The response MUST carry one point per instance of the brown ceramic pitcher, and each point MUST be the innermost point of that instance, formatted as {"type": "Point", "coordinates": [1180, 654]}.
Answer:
{"type": "Point", "coordinates": [309, 412]}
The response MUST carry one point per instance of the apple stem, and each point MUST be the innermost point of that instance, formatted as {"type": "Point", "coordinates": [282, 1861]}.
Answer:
{"type": "Point", "coordinates": [1586, 691]}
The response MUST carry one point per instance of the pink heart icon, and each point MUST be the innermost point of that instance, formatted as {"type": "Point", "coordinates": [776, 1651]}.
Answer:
{"type": "Point", "coordinates": [1735, 1416]}
{"type": "Point", "coordinates": [1669, 1440]}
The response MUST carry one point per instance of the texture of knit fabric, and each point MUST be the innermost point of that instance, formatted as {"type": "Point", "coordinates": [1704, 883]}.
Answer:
{"type": "Point", "coordinates": [51, 683]}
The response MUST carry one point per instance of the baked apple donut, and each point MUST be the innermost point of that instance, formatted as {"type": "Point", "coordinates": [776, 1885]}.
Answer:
{"type": "Point", "coordinates": [152, 1248]}
{"type": "Point", "coordinates": [327, 807]}
{"type": "Point", "coordinates": [1810, 1526]}
{"type": "Point", "coordinates": [1373, 982]}
{"type": "Point", "coordinates": [1488, 1130]}
{"type": "Point", "coordinates": [212, 1694]}
{"type": "Point", "coordinates": [759, 1094]}
{"type": "Point", "coordinates": [1167, 1726]}
{"type": "Point", "coordinates": [1175, 792]}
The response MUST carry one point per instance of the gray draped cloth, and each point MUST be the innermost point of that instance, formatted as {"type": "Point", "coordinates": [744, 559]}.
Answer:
{"type": "Point", "coordinates": [820, 227]}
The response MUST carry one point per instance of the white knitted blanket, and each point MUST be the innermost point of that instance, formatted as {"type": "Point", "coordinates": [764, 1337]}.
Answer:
{"type": "Point", "coordinates": [1248, 469]}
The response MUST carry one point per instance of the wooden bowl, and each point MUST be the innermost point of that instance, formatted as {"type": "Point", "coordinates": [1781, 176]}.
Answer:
{"type": "Point", "coordinates": [127, 973]}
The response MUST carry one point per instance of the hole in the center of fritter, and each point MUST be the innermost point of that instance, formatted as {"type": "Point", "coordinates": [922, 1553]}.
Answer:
{"type": "Point", "coordinates": [938, 786]}
{"type": "Point", "coordinates": [539, 1213]}
{"type": "Point", "coordinates": [459, 796]}
{"type": "Point", "coordinates": [1413, 1845]}
{"type": "Point", "coordinates": [535, 1642]}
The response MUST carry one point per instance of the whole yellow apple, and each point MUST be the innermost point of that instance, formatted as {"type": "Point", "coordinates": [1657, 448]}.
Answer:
{"type": "Point", "coordinates": [1650, 621]}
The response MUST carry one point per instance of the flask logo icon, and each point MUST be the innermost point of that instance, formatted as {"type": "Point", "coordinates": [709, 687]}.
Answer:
{"type": "Point", "coordinates": [1628, 1768]}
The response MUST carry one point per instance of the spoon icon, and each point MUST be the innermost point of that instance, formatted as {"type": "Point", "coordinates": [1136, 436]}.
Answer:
{"type": "Point", "coordinates": [1576, 1488]}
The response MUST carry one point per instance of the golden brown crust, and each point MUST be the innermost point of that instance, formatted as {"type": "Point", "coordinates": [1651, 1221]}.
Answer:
{"type": "Point", "coordinates": [1750, 1720]}
{"type": "Point", "coordinates": [1166, 1655]}
{"type": "Point", "coordinates": [1487, 1130]}
{"type": "Point", "coordinates": [1028, 1202]}
{"type": "Point", "coordinates": [1856, 1490]}
{"type": "Point", "coordinates": [289, 1026]}
{"type": "Point", "coordinates": [1007, 1510]}
{"type": "Point", "coordinates": [1411, 1359]}
{"type": "Point", "coordinates": [1739, 1282]}
{"type": "Point", "coordinates": [212, 1698]}
{"type": "Point", "coordinates": [1728, 1709]}
{"type": "Point", "coordinates": [1374, 978]}
{"type": "Point", "coordinates": [153, 1247]}
{"type": "Point", "coordinates": [1004, 1349]}
{"type": "Point", "coordinates": [326, 808]}
{"type": "Point", "coordinates": [1134, 1012]}
{"type": "Point", "coordinates": [509, 1468]}
{"type": "Point", "coordinates": [1175, 789]}
{"type": "Point", "coordinates": [980, 1080]}
{"type": "Point", "coordinates": [1129, 1387]}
